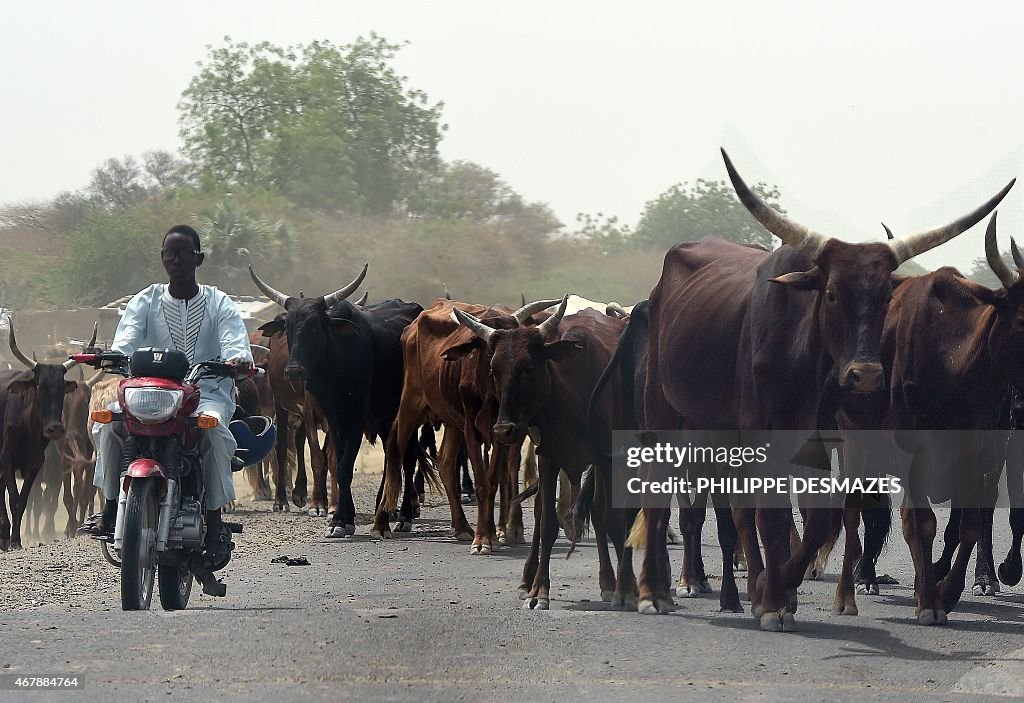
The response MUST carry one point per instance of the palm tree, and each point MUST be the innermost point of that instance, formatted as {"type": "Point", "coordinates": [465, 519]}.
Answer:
{"type": "Point", "coordinates": [234, 235]}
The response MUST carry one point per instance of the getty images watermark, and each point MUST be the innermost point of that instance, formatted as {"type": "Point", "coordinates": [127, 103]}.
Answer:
{"type": "Point", "coordinates": [816, 468]}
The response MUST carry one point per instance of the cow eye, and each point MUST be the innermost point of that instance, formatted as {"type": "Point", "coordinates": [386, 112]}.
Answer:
{"type": "Point", "coordinates": [830, 296]}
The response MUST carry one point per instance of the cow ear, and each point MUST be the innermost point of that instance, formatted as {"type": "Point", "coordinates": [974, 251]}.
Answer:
{"type": "Point", "coordinates": [70, 386]}
{"type": "Point", "coordinates": [562, 350]}
{"type": "Point", "coordinates": [459, 351]}
{"type": "Point", "coordinates": [898, 279]}
{"type": "Point", "coordinates": [269, 329]}
{"type": "Point", "coordinates": [985, 295]}
{"type": "Point", "coordinates": [21, 384]}
{"type": "Point", "coordinates": [802, 280]}
{"type": "Point", "coordinates": [342, 326]}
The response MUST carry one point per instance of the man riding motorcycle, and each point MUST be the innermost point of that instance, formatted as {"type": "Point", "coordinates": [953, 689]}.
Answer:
{"type": "Point", "coordinates": [203, 323]}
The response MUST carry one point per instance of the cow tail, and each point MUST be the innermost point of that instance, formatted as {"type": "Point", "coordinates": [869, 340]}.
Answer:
{"type": "Point", "coordinates": [579, 518]}
{"type": "Point", "coordinates": [638, 535]}
{"type": "Point", "coordinates": [428, 466]}
{"type": "Point", "coordinates": [530, 491]}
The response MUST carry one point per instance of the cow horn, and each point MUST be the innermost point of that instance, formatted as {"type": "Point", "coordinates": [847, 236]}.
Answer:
{"type": "Point", "coordinates": [95, 379]}
{"type": "Point", "coordinates": [18, 354]}
{"type": "Point", "coordinates": [481, 330]}
{"type": "Point", "coordinates": [447, 295]}
{"type": "Point", "coordinates": [1015, 252]}
{"type": "Point", "coordinates": [550, 325]}
{"type": "Point", "coordinates": [888, 232]}
{"type": "Point", "coordinates": [95, 332]}
{"type": "Point", "coordinates": [260, 347]}
{"type": "Point", "coordinates": [272, 293]}
{"type": "Point", "coordinates": [362, 301]}
{"type": "Point", "coordinates": [615, 310]}
{"type": "Point", "coordinates": [523, 314]}
{"type": "Point", "coordinates": [914, 244]}
{"type": "Point", "coordinates": [792, 233]}
{"type": "Point", "coordinates": [995, 261]}
{"type": "Point", "coordinates": [348, 290]}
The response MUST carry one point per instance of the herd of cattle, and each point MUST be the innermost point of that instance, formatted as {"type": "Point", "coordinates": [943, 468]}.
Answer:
{"type": "Point", "coordinates": [818, 334]}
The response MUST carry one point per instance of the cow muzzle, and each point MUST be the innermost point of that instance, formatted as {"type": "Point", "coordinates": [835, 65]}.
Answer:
{"type": "Point", "coordinates": [54, 431]}
{"type": "Point", "coordinates": [295, 373]}
{"type": "Point", "coordinates": [863, 377]}
{"type": "Point", "coordinates": [507, 432]}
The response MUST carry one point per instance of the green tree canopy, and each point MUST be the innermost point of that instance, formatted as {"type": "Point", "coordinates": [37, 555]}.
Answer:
{"type": "Point", "coordinates": [329, 127]}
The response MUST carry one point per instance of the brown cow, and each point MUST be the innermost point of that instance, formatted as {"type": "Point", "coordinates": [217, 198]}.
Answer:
{"type": "Point", "coordinates": [458, 393]}
{"type": "Point", "coordinates": [543, 376]}
{"type": "Point", "coordinates": [953, 347]}
{"type": "Point", "coordinates": [741, 339]}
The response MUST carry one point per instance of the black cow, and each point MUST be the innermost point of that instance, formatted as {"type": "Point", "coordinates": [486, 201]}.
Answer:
{"type": "Point", "coordinates": [31, 408]}
{"type": "Point", "coordinates": [351, 361]}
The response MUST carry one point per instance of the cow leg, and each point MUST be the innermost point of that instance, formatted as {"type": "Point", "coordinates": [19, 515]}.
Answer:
{"type": "Point", "coordinates": [18, 506]}
{"type": "Point", "coordinates": [919, 532]}
{"type": "Point", "coordinates": [482, 535]}
{"type": "Point", "coordinates": [846, 600]}
{"type": "Point", "coordinates": [406, 513]}
{"type": "Point", "coordinates": [447, 462]}
{"type": "Point", "coordinates": [300, 493]}
{"type": "Point", "coordinates": [515, 533]}
{"type": "Point", "coordinates": [51, 499]}
{"type": "Point", "coordinates": [5, 523]}
{"type": "Point", "coordinates": [599, 514]}
{"type": "Point", "coordinates": [530, 565]}
{"type": "Point", "coordinates": [728, 597]}
{"type": "Point", "coordinates": [1012, 567]}
{"type": "Point", "coordinates": [318, 465]}
{"type": "Point", "coordinates": [773, 525]}
{"type": "Point", "coordinates": [539, 596]}
{"type": "Point", "coordinates": [655, 576]}
{"type": "Point", "coordinates": [281, 450]}
{"type": "Point", "coordinates": [746, 533]}
{"type": "Point", "coordinates": [343, 521]}
{"type": "Point", "coordinates": [626, 593]}
{"type": "Point", "coordinates": [950, 540]}
{"type": "Point", "coordinates": [692, 580]}
{"type": "Point", "coordinates": [985, 582]}
{"type": "Point", "coordinates": [496, 465]}
{"type": "Point", "coordinates": [68, 500]}
{"type": "Point", "coordinates": [877, 514]}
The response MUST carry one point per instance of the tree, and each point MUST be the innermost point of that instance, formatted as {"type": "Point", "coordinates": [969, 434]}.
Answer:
{"type": "Point", "coordinates": [118, 183]}
{"type": "Point", "coordinates": [982, 273]}
{"type": "Point", "coordinates": [686, 213]}
{"type": "Point", "coordinates": [234, 236]}
{"type": "Point", "coordinates": [330, 127]}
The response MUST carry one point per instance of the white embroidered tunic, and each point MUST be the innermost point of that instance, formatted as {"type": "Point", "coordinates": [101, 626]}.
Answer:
{"type": "Point", "coordinates": [206, 327]}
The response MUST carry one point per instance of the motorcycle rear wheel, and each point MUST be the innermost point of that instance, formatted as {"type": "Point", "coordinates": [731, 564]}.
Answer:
{"type": "Point", "coordinates": [138, 546]}
{"type": "Point", "coordinates": [175, 586]}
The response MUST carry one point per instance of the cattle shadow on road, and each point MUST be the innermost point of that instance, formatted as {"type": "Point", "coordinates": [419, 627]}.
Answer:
{"type": "Point", "coordinates": [1002, 611]}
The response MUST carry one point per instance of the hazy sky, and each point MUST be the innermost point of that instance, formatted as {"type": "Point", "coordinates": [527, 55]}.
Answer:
{"type": "Point", "coordinates": [910, 114]}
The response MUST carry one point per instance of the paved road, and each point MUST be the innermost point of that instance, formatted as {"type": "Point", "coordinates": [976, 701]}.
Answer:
{"type": "Point", "coordinates": [419, 619]}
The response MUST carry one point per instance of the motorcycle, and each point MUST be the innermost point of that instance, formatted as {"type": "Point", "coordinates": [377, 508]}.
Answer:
{"type": "Point", "coordinates": [160, 531]}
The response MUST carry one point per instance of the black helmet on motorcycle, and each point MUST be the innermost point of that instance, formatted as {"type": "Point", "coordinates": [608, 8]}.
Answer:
{"type": "Point", "coordinates": [255, 437]}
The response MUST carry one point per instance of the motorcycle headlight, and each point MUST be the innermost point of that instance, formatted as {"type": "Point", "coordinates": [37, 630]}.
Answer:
{"type": "Point", "coordinates": [152, 405]}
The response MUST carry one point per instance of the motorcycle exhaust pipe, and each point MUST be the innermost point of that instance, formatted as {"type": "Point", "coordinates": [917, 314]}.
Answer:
{"type": "Point", "coordinates": [167, 504]}
{"type": "Point", "coordinates": [122, 504]}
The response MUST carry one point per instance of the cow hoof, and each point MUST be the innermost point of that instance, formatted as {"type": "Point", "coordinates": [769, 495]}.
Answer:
{"type": "Point", "coordinates": [377, 534]}
{"type": "Point", "coordinates": [501, 536]}
{"type": "Point", "coordinates": [607, 595]}
{"type": "Point", "coordinates": [1010, 571]}
{"type": "Point", "coordinates": [845, 609]}
{"type": "Point", "coordinates": [659, 606]}
{"type": "Point", "coordinates": [688, 591]}
{"type": "Point", "coordinates": [524, 593]}
{"type": "Point", "coordinates": [516, 535]}
{"type": "Point", "coordinates": [316, 512]}
{"type": "Point", "coordinates": [350, 530]}
{"type": "Point", "coordinates": [867, 589]}
{"type": "Point", "coordinates": [757, 611]}
{"type": "Point", "coordinates": [464, 536]}
{"type": "Point", "coordinates": [535, 603]}
{"type": "Point", "coordinates": [335, 531]}
{"type": "Point", "coordinates": [282, 508]}
{"type": "Point", "coordinates": [985, 589]}
{"type": "Point", "coordinates": [931, 617]}
{"type": "Point", "coordinates": [480, 549]}
{"type": "Point", "coordinates": [780, 621]}
{"type": "Point", "coordinates": [705, 586]}
{"type": "Point", "coordinates": [403, 526]}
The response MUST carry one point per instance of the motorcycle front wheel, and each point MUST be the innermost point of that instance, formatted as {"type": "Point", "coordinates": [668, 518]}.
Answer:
{"type": "Point", "coordinates": [138, 546]}
{"type": "Point", "coordinates": [175, 586]}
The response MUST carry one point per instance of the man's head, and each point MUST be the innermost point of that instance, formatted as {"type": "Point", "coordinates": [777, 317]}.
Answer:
{"type": "Point", "coordinates": [181, 253]}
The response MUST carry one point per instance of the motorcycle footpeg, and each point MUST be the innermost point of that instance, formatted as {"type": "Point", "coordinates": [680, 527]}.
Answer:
{"type": "Point", "coordinates": [211, 586]}
{"type": "Point", "coordinates": [234, 527]}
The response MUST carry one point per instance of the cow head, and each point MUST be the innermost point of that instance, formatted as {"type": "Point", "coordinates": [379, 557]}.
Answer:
{"type": "Point", "coordinates": [519, 367]}
{"type": "Point", "coordinates": [1006, 335]}
{"type": "Point", "coordinates": [307, 324]}
{"type": "Point", "coordinates": [854, 281]}
{"type": "Point", "coordinates": [47, 383]}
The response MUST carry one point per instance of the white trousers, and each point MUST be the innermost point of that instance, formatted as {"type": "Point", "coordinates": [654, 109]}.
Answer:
{"type": "Point", "coordinates": [216, 447]}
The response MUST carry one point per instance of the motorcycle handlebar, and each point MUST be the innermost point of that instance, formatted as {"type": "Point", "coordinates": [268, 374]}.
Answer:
{"type": "Point", "coordinates": [111, 360]}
